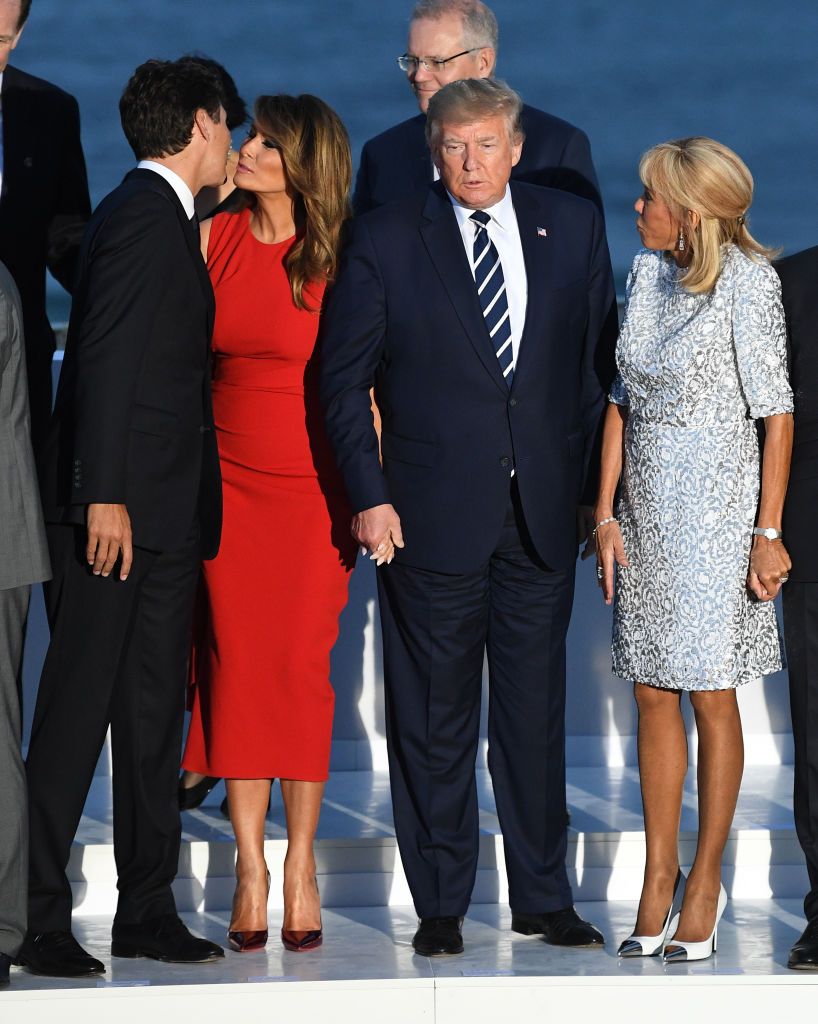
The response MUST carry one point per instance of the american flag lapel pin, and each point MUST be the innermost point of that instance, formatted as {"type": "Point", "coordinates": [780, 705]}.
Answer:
{"type": "Point", "coordinates": [542, 233]}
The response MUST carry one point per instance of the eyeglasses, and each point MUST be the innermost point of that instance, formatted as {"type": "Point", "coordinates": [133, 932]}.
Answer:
{"type": "Point", "coordinates": [410, 64]}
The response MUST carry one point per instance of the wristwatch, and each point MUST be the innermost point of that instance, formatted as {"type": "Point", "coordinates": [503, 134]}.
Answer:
{"type": "Point", "coordinates": [767, 531]}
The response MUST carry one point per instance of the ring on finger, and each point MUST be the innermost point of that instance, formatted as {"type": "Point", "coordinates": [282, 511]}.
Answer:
{"type": "Point", "coordinates": [783, 579]}
{"type": "Point", "coordinates": [600, 572]}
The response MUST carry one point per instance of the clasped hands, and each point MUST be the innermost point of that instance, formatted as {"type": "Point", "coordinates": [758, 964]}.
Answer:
{"type": "Point", "coordinates": [769, 567]}
{"type": "Point", "coordinates": [378, 532]}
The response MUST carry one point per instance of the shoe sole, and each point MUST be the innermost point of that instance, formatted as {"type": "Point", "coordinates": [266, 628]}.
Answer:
{"type": "Point", "coordinates": [53, 974]}
{"type": "Point", "coordinates": [525, 929]}
{"type": "Point", "coordinates": [131, 953]}
{"type": "Point", "coordinates": [440, 952]}
{"type": "Point", "coordinates": [803, 967]}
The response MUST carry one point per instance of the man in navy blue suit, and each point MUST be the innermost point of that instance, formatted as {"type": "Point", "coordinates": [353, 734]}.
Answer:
{"type": "Point", "coordinates": [450, 40]}
{"type": "Point", "coordinates": [483, 314]}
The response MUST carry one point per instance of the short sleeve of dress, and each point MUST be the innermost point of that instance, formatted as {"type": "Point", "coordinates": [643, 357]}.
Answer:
{"type": "Point", "coordinates": [760, 339]}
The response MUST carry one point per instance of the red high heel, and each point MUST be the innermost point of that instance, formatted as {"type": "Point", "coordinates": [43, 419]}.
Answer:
{"type": "Point", "coordinates": [249, 941]}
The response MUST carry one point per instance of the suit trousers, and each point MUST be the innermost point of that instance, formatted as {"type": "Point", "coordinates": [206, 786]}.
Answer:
{"type": "Point", "coordinates": [13, 826]}
{"type": "Point", "coordinates": [801, 635]}
{"type": "Point", "coordinates": [118, 656]}
{"type": "Point", "coordinates": [436, 629]}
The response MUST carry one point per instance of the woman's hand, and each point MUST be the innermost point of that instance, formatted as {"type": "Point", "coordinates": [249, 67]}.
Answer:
{"type": "Point", "coordinates": [769, 568]}
{"type": "Point", "coordinates": [610, 550]}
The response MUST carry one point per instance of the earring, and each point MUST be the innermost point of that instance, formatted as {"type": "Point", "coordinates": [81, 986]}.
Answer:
{"type": "Point", "coordinates": [680, 245]}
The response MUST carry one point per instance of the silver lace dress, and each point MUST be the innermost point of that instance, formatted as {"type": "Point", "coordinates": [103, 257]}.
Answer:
{"type": "Point", "coordinates": [695, 371]}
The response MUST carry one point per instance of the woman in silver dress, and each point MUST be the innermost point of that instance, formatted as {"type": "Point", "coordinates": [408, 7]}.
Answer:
{"type": "Point", "coordinates": [701, 356]}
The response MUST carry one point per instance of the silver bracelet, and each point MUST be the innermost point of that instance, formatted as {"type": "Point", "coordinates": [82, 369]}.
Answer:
{"type": "Point", "coordinates": [604, 522]}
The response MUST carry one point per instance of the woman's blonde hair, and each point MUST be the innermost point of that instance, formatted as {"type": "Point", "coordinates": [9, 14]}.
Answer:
{"type": "Point", "coordinates": [699, 175]}
{"type": "Point", "coordinates": [314, 148]}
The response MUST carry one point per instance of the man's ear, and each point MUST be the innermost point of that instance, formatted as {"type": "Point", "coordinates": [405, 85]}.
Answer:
{"type": "Point", "coordinates": [486, 59]}
{"type": "Point", "coordinates": [203, 123]}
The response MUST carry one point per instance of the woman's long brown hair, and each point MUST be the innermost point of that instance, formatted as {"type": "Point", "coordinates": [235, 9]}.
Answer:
{"type": "Point", "coordinates": [314, 148]}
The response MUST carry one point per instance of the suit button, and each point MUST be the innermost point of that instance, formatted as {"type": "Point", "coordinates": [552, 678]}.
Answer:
{"type": "Point", "coordinates": [512, 402]}
{"type": "Point", "coordinates": [505, 461]}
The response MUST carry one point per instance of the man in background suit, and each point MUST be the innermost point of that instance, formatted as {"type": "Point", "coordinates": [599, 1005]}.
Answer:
{"type": "Point", "coordinates": [450, 40]}
{"type": "Point", "coordinates": [799, 281]}
{"type": "Point", "coordinates": [131, 491]}
{"type": "Point", "coordinates": [23, 561]}
{"type": "Point", "coordinates": [44, 202]}
{"type": "Point", "coordinates": [484, 316]}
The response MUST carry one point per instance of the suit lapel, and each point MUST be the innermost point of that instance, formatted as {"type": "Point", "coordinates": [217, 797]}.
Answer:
{"type": "Point", "coordinates": [444, 244]}
{"type": "Point", "coordinates": [538, 255]}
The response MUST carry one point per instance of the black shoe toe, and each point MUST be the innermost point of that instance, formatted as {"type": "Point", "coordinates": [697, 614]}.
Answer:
{"type": "Point", "coordinates": [57, 955]}
{"type": "Point", "coordinates": [558, 928]}
{"type": "Point", "coordinates": [439, 936]}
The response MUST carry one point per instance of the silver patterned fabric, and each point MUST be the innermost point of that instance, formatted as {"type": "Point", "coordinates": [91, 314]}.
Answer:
{"type": "Point", "coordinates": [695, 371]}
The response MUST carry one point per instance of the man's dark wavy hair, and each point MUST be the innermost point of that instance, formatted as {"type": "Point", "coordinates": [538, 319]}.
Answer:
{"type": "Point", "coordinates": [234, 105]}
{"type": "Point", "coordinates": [25, 8]}
{"type": "Point", "coordinates": [160, 101]}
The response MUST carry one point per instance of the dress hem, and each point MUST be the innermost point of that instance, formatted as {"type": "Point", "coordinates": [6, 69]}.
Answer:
{"type": "Point", "coordinates": [698, 686]}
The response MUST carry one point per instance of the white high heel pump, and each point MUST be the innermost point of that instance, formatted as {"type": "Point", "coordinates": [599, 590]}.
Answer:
{"type": "Point", "coordinates": [651, 945]}
{"type": "Point", "coordinates": [686, 951]}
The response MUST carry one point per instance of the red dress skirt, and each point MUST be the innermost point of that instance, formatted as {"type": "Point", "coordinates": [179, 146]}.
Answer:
{"type": "Point", "coordinates": [262, 700]}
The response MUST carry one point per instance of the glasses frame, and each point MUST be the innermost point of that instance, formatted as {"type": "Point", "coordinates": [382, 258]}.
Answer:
{"type": "Point", "coordinates": [436, 63]}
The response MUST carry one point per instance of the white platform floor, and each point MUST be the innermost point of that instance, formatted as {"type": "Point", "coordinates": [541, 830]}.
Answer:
{"type": "Point", "coordinates": [367, 970]}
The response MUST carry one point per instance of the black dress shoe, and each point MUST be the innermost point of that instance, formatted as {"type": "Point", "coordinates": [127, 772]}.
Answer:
{"type": "Point", "coordinates": [57, 955]}
{"type": "Point", "coordinates": [191, 797]}
{"type": "Point", "coordinates": [162, 938]}
{"type": "Point", "coordinates": [439, 936]}
{"type": "Point", "coordinates": [5, 963]}
{"type": "Point", "coordinates": [559, 928]}
{"type": "Point", "coordinates": [804, 954]}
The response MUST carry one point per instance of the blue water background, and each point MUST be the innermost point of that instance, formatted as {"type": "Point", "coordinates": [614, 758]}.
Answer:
{"type": "Point", "coordinates": [629, 72]}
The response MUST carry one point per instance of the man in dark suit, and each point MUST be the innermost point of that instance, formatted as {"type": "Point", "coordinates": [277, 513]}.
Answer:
{"type": "Point", "coordinates": [799, 281]}
{"type": "Point", "coordinates": [131, 493]}
{"type": "Point", "coordinates": [44, 204]}
{"type": "Point", "coordinates": [484, 316]}
{"type": "Point", "coordinates": [450, 40]}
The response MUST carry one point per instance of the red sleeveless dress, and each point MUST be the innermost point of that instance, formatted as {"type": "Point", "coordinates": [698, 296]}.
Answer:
{"type": "Point", "coordinates": [262, 702]}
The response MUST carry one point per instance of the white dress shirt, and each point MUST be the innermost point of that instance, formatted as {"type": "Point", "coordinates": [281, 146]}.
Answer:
{"type": "Point", "coordinates": [178, 185]}
{"type": "Point", "coordinates": [505, 233]}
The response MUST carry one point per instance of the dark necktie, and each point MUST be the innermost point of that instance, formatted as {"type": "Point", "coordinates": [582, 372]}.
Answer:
{"type": "Point", "coordinates": [491, 290]}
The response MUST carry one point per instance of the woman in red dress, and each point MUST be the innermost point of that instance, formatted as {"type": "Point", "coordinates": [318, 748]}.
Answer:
{"type": "Point", "coordinates": [263, 703]}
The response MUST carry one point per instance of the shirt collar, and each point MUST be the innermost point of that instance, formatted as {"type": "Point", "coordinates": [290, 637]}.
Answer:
{"type": "Point", "coordinates": [179, 186]}
{"type": "Point", "coordinates": [502, 213]}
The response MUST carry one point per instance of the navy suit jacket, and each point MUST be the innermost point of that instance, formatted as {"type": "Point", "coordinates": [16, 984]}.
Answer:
{"type": "Point", "coordinates": [404, 315]}
{"type": "Point", "coordinates": [799, 277]}
{"type": "Point", "coordinates": [397, 164]}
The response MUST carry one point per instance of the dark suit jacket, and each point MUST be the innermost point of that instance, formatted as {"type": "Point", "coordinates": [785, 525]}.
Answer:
{"type": "Point", "coordinates": [799, 283]}
{"type": "Point", "coordinates": [404, 313]}
{"type": "Point", "coordinates": [396, 164]}
{"type": "Point", "coordinates": [44, 207]}
{"type": "Point", "coordinates": [133, 421]}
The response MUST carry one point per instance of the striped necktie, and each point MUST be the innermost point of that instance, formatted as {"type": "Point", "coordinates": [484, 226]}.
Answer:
{"type": "Point", "coordinates": [491, 290]}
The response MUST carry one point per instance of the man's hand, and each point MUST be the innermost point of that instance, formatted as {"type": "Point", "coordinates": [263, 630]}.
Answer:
{"type": "Point", "coordinates": [585, 530]}
{"type": "Point", "coordinates": [378, 532]}
{"type": "Point", "coordinates": [109, 535]}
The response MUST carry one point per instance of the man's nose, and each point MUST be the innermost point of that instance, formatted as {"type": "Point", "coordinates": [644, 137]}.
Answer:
{"type": "Point", "coordinates": [471, 157]}
{"type": "Point", "coordinates": [420, 74]}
